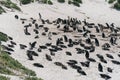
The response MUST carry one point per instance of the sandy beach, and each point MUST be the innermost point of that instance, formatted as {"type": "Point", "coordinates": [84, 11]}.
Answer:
{"type": "Point", "coordinates": [94, 11]}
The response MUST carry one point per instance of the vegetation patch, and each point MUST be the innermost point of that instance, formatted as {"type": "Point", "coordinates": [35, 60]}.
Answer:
{"type": "Point", "coordinates": [47, 2]}
{"type": "Point", "coordinates": [78, 1]}
{"type": "Point", "coordinates": [25, 1]}
{"type": "Point", "coordinates": [117, 6]}
{"type": "Point", "coordinates": [50, 2]}
{"type": "Point", "coordinates": [75, 2]}
{"type": "Point", "coordinates": [111, 1]}
{"type": "Point", "coordinates": [61, 1]}
{"type": "Point", "coordinates": [33, 78]}
{"type": "Point", "coordinates": [2, 10]}
{"type": "Point", "coordinates": [7, 61]}
{"type": "Point", "coordinates": [3, 37]}
{"type": "Point", "coordinates": [10, 66]}
{"type": "Point", "coordinates": [4, 78]}
{"type": "Point", "coordinates": [9, 4]}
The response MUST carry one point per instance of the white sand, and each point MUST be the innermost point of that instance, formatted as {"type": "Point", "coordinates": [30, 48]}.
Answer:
{"type": "Point", "coordinates": [97, 10]}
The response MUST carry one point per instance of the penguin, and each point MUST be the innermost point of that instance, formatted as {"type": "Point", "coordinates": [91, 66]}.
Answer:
{"type": "Point", "coordinates": [96, 42]}
{"type": "Point", "coordinates": [91, 60]}
{"type": "Point", "coordinates": [84, 29]}
{"type": "Point", "coordinates": [68, 53]}
{"type": "Point", "coordinates": [30, 56]}
{"type": "Point", "coordinates": [87, 54]}
{"type": "Point", "coordinates": [43, 22]}
{"type": "Point", "coordinates": [81, 72]}
{"type": "Point", "coordinates": [74, 66]}
{"type": "Point", "coordinates": [100, 67]}
{"type": "Point", "coordinates": [112, 41]}
{"type": "Point", "coordinates": [22, 46]}
{"type": "Point", "coordinates": [107, 25]}
{"type": "Point", "coordinates": [115, 62]}
{"type": "Point", "coordinates": [38, 65]}
{"type": "Point", "coordinates": [43, 47]}
{"type": "Point", "coordinates": [65, 38]}
{"type": "Point", "coordinates": [110, 56]}
{"type": "Point", "coordinates": [85, 22]}
{"type": "Point", "coordinates": [40, 16]}
{"type": "Point", "coordinates": [103, 35]}
{"type": "Point", "coordinates": [36, 31]}
{"type": "Point", "coordinates": [32, 53]}
{"type": "Point", "coordinates": [97, 29]}
{"type": "Point", "coordinates": [70, 41]}
{"type": "Point", "coordinates": [61, 65]}
{"type": "Point", "coordinates": [10, 38]}
{"type": "Point", "coordinates": [16, 17]}
{"type": "Point", "coordinates": [109, 70]}
{"type": "Point", "coordinates": [58, 41]}
{"type": "Point", "coordinates": [13, 43]}
{"type": "Point", "coordinates": [58, 26]}
{"type": "Point", "coordinates": [105, 76]}
{"type": "Point", "coordinates": [36, 26]}
{"type": "Point", "coordinates": [26, 31]}
{"type": "Point", "coordinates": [103, 60]}
{"type": "Point", "coordinates": [85, 64]}
{"type": "Point", "coordinates": [99, 56]}
{"type": "Point", "coordinates": [92, 49]}
{"type": "Point", "coordinates": [48, 57]}
{"type": "Point", "coordinates": [32, 45]}
{"type": "Point", "coordinates": [88, 40]}
{"type": "Point", "coordinates": [33, 22]}
{"type": "Point", "coordinates": [73, 61]}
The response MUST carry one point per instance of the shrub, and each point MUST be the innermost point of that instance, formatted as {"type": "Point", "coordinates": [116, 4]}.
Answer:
{"type": "Point", "coordinates": [4, 78]}
{"type": "Point", "coordinates": [69, 2]}
{"type": "Point", "coordinates": [111, 1]}
{"type": "Point", "coordinates": [14, 6]}
{"type": "Point", "coordinates": [79, 1]}
{"type": "Point", "coordinates": [4, 70]}
{"type": "Point", "coordinates": [61, 1]}
{"type": "Point", "coordinates": [76, 3]}
{"type": "Point", "coordinates": [10, 4]}
{"type": "Point", "coordinates": [1, 10]}
{"type": "Point", "coordinates": [14, 64]}
{"type": "Point", "coordinates": [33, 78]}
{"type": "Point", "coordinates": [118, 1]}
{"type": "Point", "coordinates": [50, 2]}
{"type": "Point", "coordinates": [25, 1]}
{"type": "Point", "coordinates": [117, 6]}
{"type": "Point", "coordinates": [44, 1]}
{"type": "Point", "coordinates": [3, 37]}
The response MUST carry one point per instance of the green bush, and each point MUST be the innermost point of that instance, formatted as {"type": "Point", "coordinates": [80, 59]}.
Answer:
{"type": "Point", "coordinates": [117, 6]}
{"type": "Point", "coordinates": [69, 2]}
{"type": "Point", "coordinates": [4, 78]}
{"type": "Point", "coordinates": [61, 1]}
{"type": "Point", "coordinates": [118, 1]}
{"type": "Point", "coordinates": [1, 10]}
{"type": "Point", "coordinates": [10, 4]}
{"type": "Point", "coordinates": [76, 3]}
{"type": "Point", "coordinates": [79, 1]}
{"type": "Point", "coordinates": [111, 1]}
{"type": "Point", "coordinates": [14, 64]}
{"type": "Point", "coordinates": [14, 6]}
{"type": "Point", "coordinates": [3, 37]}
{"type": "Point", "coordinates": [33, 78]}
{"type": "Point", "coordinates": [44, 1]}
{"type": "Point", "coordinates": [25, 1]}
{"type": "Point", "coordinates": [4, 70]}
{"type": "Point", "coordinates": [50, 2]}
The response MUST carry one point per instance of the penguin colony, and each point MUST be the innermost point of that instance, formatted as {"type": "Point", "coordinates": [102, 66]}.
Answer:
{"type": "Point", "coordinates": [86, 39]}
